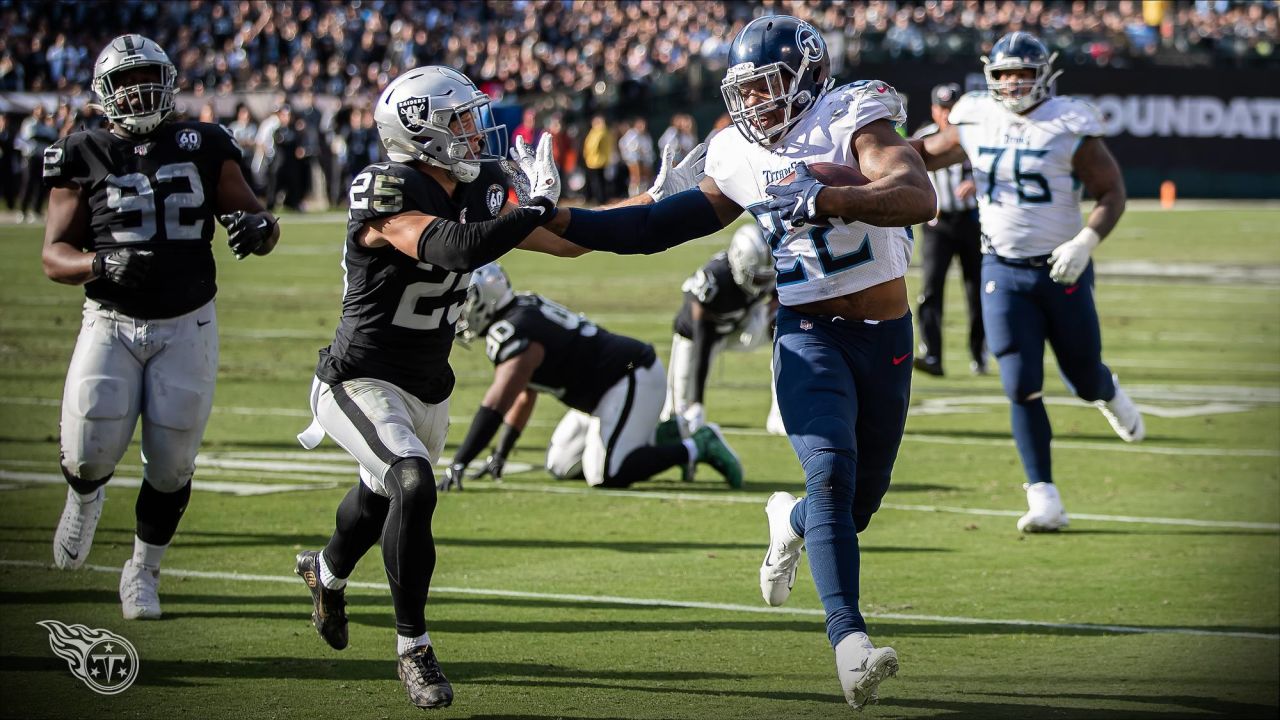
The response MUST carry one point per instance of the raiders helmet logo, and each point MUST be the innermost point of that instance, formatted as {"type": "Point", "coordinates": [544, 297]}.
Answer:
{"type": "Point", "coordinates": [493, 198]}
{"type": "Point", "coordinates": [809, 42]}
{"type": "Point", "coordinates": [410, 112]}
{"type": "Point", "coordinates": [189, 140]}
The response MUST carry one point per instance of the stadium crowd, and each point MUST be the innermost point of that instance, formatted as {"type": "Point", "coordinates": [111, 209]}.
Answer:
{"type": "Point", "coordinates": [570, 60]}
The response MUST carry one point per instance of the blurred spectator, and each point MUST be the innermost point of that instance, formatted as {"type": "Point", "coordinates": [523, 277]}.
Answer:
{"type": "Point", "coordinates": [597, 151]}
{"type": "Point", "coordinates": [636, 148]}
{"type": "Point", "coordinates": [8, 163]}
{"type": "Point", "coordinates": [683, 132]}
{"type": "Point", "coordinates": [35, 135]}
{"type": "Point", "coordinates": [244, 130]}
{"type": "Point", "coordinates": [528, 129]}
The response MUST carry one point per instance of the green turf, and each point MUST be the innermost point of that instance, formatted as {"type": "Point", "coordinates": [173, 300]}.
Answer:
{"type": "Point", "coordinates": [241, 649]}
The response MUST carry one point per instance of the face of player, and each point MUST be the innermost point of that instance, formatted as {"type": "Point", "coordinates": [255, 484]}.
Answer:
{"type": "Point", "coordinates": [757, 93]}
{"type": "Point", "coordinates": [465, 126]}
{"type": "Point", "coordinates": [1016, 83]}
{"type": "Point", "coordinates": [131, 80]}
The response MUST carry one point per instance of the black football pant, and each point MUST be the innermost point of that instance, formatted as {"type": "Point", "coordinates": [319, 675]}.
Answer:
{"type": "Point", "coordinates": [956, 234]}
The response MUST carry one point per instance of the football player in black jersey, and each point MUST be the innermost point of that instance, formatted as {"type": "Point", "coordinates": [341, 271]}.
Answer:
{"type": "Point", "coordinates": [418, 225]}
{"type": "Point", "coordinates": [131, 217]}
{"type": "Point", "coordinates": [729, 303]}
{"type": "Point", "coordinates": [611, 383]}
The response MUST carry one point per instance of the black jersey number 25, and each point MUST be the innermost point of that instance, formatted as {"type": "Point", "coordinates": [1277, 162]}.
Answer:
{"type": "Point", "coordinates": [135, 198]}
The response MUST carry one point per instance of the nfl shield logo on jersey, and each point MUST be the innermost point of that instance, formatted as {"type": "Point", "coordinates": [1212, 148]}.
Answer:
{"type": "Point", "coordinates": [189, 140]}
{"type": "Point", "coordinates": [410, 112]}
{"type": "Point", "coordinates": [493, 198]}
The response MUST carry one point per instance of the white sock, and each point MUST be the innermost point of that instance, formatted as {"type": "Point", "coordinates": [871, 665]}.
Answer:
{"type": "Point", "coordinates": [146, 554]}
{"type": "Point", "coordinates": [327, 578]}
{"type": "Point", "coordinates": [90, 497]}
{"type": "Point", "coordinates": [692, 447]}
{"type": "Point", "coordinates": [405, 644]}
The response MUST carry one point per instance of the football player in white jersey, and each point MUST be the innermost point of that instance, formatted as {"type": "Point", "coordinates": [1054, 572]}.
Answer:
{"type": "Point", "coordinates": [844, 339]}
{"type": "Point", "coordinates": [1032, 154]}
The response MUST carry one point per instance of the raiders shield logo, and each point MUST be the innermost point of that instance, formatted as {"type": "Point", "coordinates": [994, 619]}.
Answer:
{"type": "Point", "coordinates": [410, 112]}
{"type": "Point", "coordinates": [493, 198]}
{"type": "Point", "coordinates": [189, 140]}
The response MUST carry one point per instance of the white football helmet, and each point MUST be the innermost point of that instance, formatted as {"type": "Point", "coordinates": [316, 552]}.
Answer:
{"type": "Point", "coordinates": [136, 107]}
{"type": "Point", "coordinates": [489, 292]}
{"type": "Point", "coordinates": [751, 261]}
{"type": "Point", "coordinates": [435, 114]}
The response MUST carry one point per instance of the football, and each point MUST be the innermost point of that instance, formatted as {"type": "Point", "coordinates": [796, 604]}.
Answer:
{"type": "Point", "coordinates": [833, 174]}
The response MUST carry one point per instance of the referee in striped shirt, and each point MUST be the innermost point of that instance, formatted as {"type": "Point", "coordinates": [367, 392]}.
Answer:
{"type": "Point", "coordinates": [954, 232]}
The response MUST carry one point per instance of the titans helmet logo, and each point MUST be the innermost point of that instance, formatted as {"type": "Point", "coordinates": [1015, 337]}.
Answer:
{"type": "Point", "coordinates": [809, 42]}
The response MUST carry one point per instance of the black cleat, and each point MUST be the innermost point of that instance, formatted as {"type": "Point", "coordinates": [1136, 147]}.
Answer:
{"type": "Point", "coordinates": [329, 607]}
{"type": "Point", "coordinates": [423, 679]}
{"type": "Point", "coordinates": [929, 365]}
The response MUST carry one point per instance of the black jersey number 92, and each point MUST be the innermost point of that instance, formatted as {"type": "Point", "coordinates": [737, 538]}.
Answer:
{"type": "Point", "coordinates": [160, 193]}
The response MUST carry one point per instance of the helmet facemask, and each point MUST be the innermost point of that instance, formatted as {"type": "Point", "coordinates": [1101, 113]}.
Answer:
{"type": "Point", "coordinates": [1017, 93]}
{"type": "Point", "coordinates": [777, 82]}
{"type": "Point", "coordinates": [137, 106]}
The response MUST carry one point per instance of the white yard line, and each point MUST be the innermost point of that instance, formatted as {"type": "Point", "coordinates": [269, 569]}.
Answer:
{"type": "Point", "coordinates": [218, 486]}
{"type": "Point", "coordinates": [693, 604]}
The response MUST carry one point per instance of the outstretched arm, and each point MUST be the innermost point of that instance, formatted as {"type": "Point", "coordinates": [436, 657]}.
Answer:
{"type": "Point", "coordinates": [899, 192]}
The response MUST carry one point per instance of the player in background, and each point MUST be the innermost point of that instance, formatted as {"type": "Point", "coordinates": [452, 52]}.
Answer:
{"type": "Point", "coordinates": [1032, 152]}
{"type": "Point", "coordinates": [612, 385]}
{"type": "Point", "coordinates": [844, 334]}
{"type": "Point", "coordinates": [417, 226]}
{"type": "Point", "coordinates": [729, 303]}
{"type": "Point", "coordinates": [131, 217]}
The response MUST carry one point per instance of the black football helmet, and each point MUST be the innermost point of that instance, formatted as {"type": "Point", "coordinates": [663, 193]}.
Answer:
{"type": "Point", "coordinates": [787, 59]}
{"type": "Point", "coordinates": [1016, 51]}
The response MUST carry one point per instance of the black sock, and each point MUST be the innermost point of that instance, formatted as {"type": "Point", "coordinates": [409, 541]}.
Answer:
{"type": "Point", "coordinates": [408, 550]}
{"type": "Point", "coordinates": [361, 517]}
{"type": "Point", "coordinates": [159, 513]}
{"type": "Point", "coordinates": [645, 462]}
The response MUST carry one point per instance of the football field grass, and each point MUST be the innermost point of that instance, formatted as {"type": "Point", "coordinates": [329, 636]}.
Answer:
{"type": "Point", "coordinates": [550, 600]}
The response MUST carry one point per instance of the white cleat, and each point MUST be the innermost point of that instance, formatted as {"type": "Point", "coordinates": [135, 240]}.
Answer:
{"type": "Point", "coordinates": [774, 425]}
{"type": "Point", "coordinates": [862, 667]}
{"type": "Point", "coordinates": [74, 537]}
{"type": "Point", "coordinates": [782, 559]}
{"type": "Point", "coordinates": [1045, 511]}
{"type": "Point", "coordinates": [1123, 415]}
{"type": "Point", "coordinates": [139, 596]}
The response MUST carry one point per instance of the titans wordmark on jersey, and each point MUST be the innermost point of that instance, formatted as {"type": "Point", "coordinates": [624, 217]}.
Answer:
{"type": "Point", "coordinates": [582, 360]}
{"type": "Point", "coordinates": [158, 193]}
{"type": "Point", "coordinates": [1028, 195]}
{"type": "Point", "coordinates": [816, 263]}
{"type": "Point", "coordinates": [397, 313]}
{"type": "Point", "coordinates": [721, 298]}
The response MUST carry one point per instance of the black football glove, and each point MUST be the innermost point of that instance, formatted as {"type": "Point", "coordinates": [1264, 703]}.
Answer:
{"type": "Point", "coordinates": [126, 267]}
{"type": "Point", "coordinates": [492, 466]}
{"type": "Point", "coordinates": [246, 232]}
{"type": "Point", "coordinates": [452, 478]}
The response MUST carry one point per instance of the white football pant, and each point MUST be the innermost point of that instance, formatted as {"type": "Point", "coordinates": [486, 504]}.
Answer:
{"type": "Point", "coordinates": [622, 421]}
{"type": "Point", "coordinates": [378, 423]}
{"type": "Point", "coordinates": [123, 367]}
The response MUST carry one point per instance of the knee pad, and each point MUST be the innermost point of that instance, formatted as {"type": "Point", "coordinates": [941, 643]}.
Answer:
{"type": "Point", "coordinates": [411, 482]}
{"type": "Point", "coordinates": [175, 407]}
{"type": "Point", "coordinates": [158, 513]}
{"type": "Point", "coordinates": [102, 398]}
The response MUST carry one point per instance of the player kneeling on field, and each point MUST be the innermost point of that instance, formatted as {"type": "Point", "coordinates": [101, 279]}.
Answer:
{"type": "Point", "coordinates": [612, 385]}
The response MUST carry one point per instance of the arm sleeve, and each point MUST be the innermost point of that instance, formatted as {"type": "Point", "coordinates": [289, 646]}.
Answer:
{"type": "Point", "coordinates": [703, 340]}
{"type": "Point", "coordinates": [462, 247]}
{"type": "Point", "coordinates": [483, 427]}
{"type": "Point", "coordinates": [645, 229]}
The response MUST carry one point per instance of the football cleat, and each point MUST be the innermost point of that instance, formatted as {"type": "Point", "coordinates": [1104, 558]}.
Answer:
{"type": "Point", "coordinates": [74, 537]}
{"type": "Point", "coordinates": [862, 667]}
{"type": "Point", "coordinates": [139, 592]}
{"type": "Point", "coordinates": [328, 607]}
{"type": "Point", "coordinates": [715, 451]}
{"type": "Point", "coordinates": [423, 679]}
{"type": "Point", "coordinates": [782, 559]}
{"type": "Point", "coordinates": [1123, 415]}
{"type": "Point", "coordinates": [1045, 512]}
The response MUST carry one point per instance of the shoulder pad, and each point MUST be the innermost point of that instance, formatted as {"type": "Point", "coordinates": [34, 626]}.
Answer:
{"type": "Point", "coordinates": [702, 285]}
{"type": "Point", "coordinates": [722, 154]}
{"type": "Point", "coordinates": [1080, 117]}
{"type": "Point", "coordinates": [501, 343]}
{"type": "Point", "coordinates": [969, 108]}
{"type": "Point", "coordinates": [866, 101]}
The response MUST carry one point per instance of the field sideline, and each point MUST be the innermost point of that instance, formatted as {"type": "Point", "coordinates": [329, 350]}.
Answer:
{"type": "Point", "coordinates": [555, 601]}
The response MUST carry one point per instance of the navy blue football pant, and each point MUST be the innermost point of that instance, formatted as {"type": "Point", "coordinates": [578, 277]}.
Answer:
{"type": "Point", "coordinates": [843, 389]}
{"type": "Point", "coordinates": [1021, 308]}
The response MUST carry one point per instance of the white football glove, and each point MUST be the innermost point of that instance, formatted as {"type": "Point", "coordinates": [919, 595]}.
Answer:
{"type": "Point", "coordinates": [541, 178]}
{"type": "Point", "coordinates": [1071, 257]}
{"type": "Point", "coordinates": [694, 417]}
{"type": "Point", "coordinates": [687, 174]}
